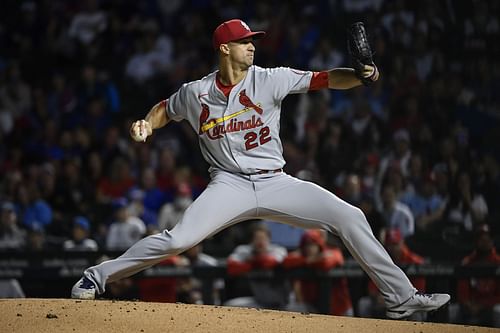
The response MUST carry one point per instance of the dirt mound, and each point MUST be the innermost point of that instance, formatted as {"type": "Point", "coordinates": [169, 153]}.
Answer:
{"type": "Point", "coordinates": [64, 315]}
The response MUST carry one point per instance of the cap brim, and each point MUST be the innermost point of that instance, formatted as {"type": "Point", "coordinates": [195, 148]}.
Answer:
{"type": "Point", "coordinates": [253, 34]}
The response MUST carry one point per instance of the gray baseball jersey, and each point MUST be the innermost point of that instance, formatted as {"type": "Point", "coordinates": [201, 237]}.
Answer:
{"type": "Point", "coordinates": [239, 133]}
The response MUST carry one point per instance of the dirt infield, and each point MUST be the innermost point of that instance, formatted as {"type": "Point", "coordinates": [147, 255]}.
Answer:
{"type": "Point", "coordinates": [63, 315]}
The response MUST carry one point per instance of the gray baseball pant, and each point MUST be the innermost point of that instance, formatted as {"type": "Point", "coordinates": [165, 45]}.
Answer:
{"type": "Point", "coordinates": [231, 198]}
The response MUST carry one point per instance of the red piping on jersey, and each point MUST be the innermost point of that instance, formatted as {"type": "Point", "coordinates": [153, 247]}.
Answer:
{"type": "Point", "coordinates": [319, 80]}
{"type": "Point", "coordinates": [225, 89]}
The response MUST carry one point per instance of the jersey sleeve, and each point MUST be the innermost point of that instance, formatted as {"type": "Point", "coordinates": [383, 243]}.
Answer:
{"type": "Point", "coordinates": [290, 81]}
{"type": "Point", "coordinates": [319, 81]}
{"type": "Point", "coordinates": [177, 104]}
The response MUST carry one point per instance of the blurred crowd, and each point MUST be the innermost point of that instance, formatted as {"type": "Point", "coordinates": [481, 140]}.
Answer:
{"type": "Point", "coordinates": [418, 151]}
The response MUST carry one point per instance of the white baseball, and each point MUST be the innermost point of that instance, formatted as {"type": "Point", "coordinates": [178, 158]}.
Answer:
{"type": "Point", "coordinates": [139, 131]}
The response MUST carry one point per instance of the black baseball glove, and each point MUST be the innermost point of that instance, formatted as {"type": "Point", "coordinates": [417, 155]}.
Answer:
{"type": "Point", "coordinates": [361, 54]}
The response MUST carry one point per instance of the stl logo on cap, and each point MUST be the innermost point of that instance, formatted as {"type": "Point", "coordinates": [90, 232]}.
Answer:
{"type": "Point", "coordinates": [245, 25]}
{"type": "Point", "coordinates": [233, 30]}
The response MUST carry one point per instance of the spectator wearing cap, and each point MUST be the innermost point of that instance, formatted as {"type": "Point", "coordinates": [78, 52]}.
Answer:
{"type": "Point", "coordinates": [372, 305]}
{"type": "Point", "coordinates": [126, 229]}
{"type": "Point", "coordinates": [313, 253]}
{"type": "Point", "coordinates": [171, 213]}
{"type": "Point", "coordinates": [479, 297]}
{"type": "Point", "coordinates": [11, 236]}
{"type": "Point", "coordinates": [80, 240]}
{"type": "Point", "coordinates": [396, 215]}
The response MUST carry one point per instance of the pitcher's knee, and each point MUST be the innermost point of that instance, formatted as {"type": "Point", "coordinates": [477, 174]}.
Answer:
{"type": "Point", "coordinates": [354, 219]}
{"type": "Point", "coordinates": [177, 244]}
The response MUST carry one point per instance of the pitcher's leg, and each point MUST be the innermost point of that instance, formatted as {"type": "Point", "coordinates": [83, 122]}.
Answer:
{"type": "Point", "coordinates": [225, 201]}
{"type": "Point", "coordinates": [291, 200]}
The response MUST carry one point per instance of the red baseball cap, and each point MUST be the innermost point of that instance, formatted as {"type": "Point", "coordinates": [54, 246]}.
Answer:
{"type": "Point", "coordinates": [232, 30]}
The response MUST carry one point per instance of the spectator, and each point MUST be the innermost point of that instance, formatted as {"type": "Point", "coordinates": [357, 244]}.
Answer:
{"type": "Point", "coordinates": [137, 208]}
{"type": "Point", "coordinates": [117, 182]}
{"type": "Point", "coordinates": [171, 213]}
{"type": "Point", "coordinates": [373, 216]}
{"type": "Point", "coordinates": [126, 229]}
{"type": "Point", "coordinates": [396, 214]}
{"type": "Point", "coordinates": [79, 240]}
{"type": "Point", "coordinates": [34, 210]}
{"type": "Point", "coordinates": [197, 258]}
{"type": "Point", "coordinates": [154, 198]}
{"type": "Point", "coordinates": [426, 205]}
{"type": "Point", "coordinates": [36, 238]}
{"type": "Point", "coordinates": [11, 289]}
{"type": "Point", "coordinates": [15, 94]}
{"type": "Point", "coordinates": [167, 165]}
{"type": "Point", "coordinates": [466, 208]}
{"type": "Point", "coordinates": [153, 54]}
{"type": "Point", "coordinates": [399, 156]}
{"type": "Point", "coordinates": [326, 56]}
{"type": "Point", "coordinates": [62, 101]}
{"type": "Point", "coordinates": [191, 288]}
{"type": "Point", "coordinates": [314, 254]}
{"type": "Point", "coordinates": [368, 176]}
{"type": "Point", "coordinates": [373, 306]}
{"type": "Point", "coordinates": [260, 254]}
{"type": "Point", "coordinates": [89, 23]}
{"type": "Point", "coordinates": [11, 236]}
{"type": "Point", "coordinates": [352, 189]}
{"type": "Point", "coordinates": [161, 289]}
{"type": "Point", "coordinates": [479, 297]}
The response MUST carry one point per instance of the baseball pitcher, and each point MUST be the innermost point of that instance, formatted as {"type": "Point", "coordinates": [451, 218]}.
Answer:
{"type": "Point", "coordinates": [236, 113]}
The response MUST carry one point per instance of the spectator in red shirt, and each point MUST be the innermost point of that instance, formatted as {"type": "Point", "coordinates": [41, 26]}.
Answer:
{"type": "Point", "coordinates": [373, 305]}
{"type": "Point", "coordinates": [117, 183]}
{"type": "Point", "coordinates": [314, 254]}
{"type": "Point", "coordinates": [260, 254]}
{"type": "Point", "coordinates": [479, 298]}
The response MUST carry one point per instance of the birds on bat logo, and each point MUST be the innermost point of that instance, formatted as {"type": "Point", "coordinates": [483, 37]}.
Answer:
{"type": "Point", "coordinates": [215, 128]}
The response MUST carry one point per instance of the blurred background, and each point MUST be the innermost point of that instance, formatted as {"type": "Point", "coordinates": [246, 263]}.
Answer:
{"type": "Point", "coordinates": [418, 150]}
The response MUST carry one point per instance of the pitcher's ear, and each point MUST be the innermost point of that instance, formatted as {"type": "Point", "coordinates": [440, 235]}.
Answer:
{"type": "Point", "coordinates": [224, 48]}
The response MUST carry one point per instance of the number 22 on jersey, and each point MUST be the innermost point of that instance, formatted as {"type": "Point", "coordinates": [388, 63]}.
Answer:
{"type": "Point", "coordinates": [254, 139]}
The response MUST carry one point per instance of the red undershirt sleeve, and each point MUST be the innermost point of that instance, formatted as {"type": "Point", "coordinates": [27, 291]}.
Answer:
{"type": "Point", "coordinates": [319, 80]}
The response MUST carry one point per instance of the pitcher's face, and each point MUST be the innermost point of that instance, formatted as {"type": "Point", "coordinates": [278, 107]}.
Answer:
{"type": "Point", "coordinates": [242, 51]}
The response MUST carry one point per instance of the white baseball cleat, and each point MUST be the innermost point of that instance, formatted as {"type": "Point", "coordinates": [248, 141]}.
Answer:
{"type": "Point", "coordinates": [83, 289]}
{"type": "Point", "coordinates": [420, 302]}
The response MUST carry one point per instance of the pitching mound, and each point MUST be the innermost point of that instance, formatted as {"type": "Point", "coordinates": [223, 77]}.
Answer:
{"type": "Point", "coordinates": [63, 315]}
